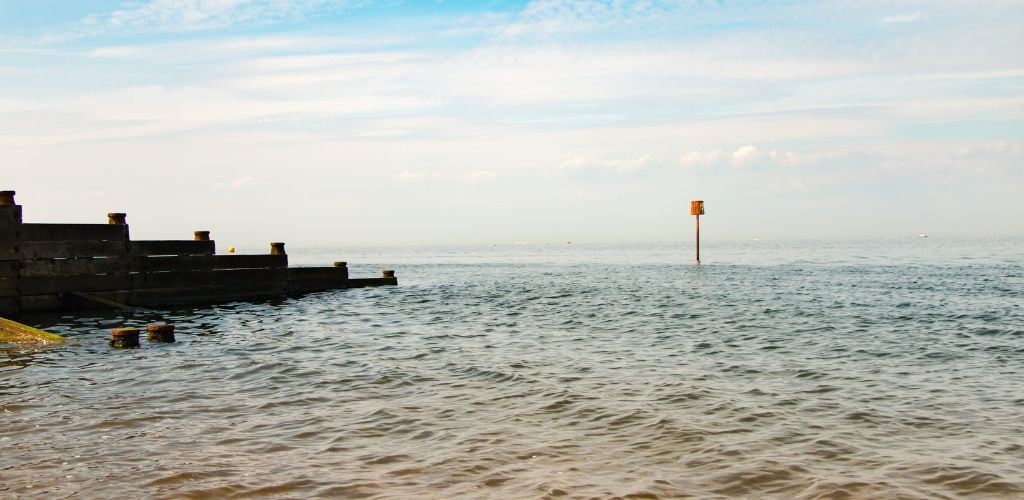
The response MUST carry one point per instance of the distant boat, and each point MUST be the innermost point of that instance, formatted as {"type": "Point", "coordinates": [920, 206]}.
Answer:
{"type": "Point", "coordinates": [922, 235]}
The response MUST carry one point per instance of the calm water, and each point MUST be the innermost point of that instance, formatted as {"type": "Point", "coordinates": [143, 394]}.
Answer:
{"type": "Point", "coordinates": [863, 369]}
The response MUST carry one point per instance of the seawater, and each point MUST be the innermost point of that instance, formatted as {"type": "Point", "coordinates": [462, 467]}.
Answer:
{"type": "Point", "coordinates": [774, 369]}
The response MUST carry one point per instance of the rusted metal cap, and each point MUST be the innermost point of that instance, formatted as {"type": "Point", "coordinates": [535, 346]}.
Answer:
{"type": "Point", "coordinates": [202, 235]}
{"type": "Point", "coordinates": [160, 327]}
{"type": "Point", "coordinates": [116, 218]}
{"type": "Point", "coordinates": [6, 198]}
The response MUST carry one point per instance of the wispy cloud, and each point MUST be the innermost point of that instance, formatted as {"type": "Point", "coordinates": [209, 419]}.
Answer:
{"type": "Point", "coordinates": [902, 18]}
{"type": "Point", "coordinates": [469, 176]}
{"type": "Point", "coordinates": [617, 166]}
{"type": "Point", "coordinates": [198, 15]}
{"type": "Point", "coordinates": [743, 155]}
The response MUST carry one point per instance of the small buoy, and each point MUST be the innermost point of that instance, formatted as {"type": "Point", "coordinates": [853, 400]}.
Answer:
{"type": "Point", "coordinates": [231, 249]}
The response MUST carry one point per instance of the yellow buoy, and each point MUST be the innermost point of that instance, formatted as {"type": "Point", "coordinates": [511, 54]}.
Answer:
{"type": "Point", "coordinates": [231, 249]}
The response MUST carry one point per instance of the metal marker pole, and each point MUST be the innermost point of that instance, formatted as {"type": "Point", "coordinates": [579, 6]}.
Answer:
{"type": "Point", "coordinates": [698, 238]}
{"type": "Point", "coordinates": [697, 208]}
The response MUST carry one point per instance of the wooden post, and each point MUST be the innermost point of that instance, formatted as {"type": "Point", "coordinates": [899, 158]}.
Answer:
{"type": "Point", "coordinates": [10, 212]}
{"type": "Point", "coordinates": [117, 218]}
{"type": "Point", "coordinates": [388, 273]}
{"type": "Point", "coordinates": [158, 332]}
{"type": "Point", "coordinates": [277, 248]}
{"type": "Point", "coordinates": [202, 235]}
{"type": "Point", "coordinates": [122, 338]}
{"type": "Point", "coordinates": [697, 208]}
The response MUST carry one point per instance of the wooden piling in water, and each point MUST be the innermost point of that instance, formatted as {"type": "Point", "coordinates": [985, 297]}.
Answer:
{"type": "Point", "coordinates": [124, 338]}
{"type": "Point", "coordinates": [160, 332]}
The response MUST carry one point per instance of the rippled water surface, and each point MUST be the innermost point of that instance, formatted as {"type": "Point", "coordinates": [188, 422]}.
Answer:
{"type": "Point", "coordinates": [863, 369]}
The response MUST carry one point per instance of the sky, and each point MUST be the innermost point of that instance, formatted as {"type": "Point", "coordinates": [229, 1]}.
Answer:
{"type": "Point", "coordinates": [320, 122]}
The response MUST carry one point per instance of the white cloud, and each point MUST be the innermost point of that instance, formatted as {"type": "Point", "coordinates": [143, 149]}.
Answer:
{"type": "Point", "coordinates": [416, 175]}
{"type": "Point", "coordinates": [584, 163]}
{"type": "Point", "coordinates": [744, 155]}
{"type": "Point", "coordinates": [198, 15]}
{"type": "Point", "coordinates": [701, 158]}
{"type": "Point", "coordinates": [902, 18]}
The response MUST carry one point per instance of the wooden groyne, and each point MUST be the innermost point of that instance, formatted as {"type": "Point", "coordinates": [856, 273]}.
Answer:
{"type": "Point", "coordinates": [74, 266]}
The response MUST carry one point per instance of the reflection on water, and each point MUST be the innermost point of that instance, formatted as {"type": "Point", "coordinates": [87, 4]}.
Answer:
{"type": "Point", "coordinates": [856, 370]}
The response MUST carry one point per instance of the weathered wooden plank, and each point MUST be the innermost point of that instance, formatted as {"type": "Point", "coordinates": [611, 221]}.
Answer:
{"type": "Point", "coordinates": [316, 279]}
{"type": "Point", "coordinates": [10, 306]}
{"type": "Point", "coordinates": [9, 234]}
{"type": "Point", "coordinates": [205, 294]}
{"type": "Point", "coordinates": [308, 286]}
{"type": "Point", "coordinates": [311, 273]}
{"type": "Point", "coordinates": [83, 300]}
{"type": "Point", "coordinates": [73, 232]}
{"type": "Point", "coordinates": [210, 262]}
{"type": "Point", "coordinates": [9, 269]}
{"type": "Point", "coordinates": [171, 247]}
{"type": "Point", "coordinates": [41, 302]}
{"type": "Point", "coordinates": [82, 283]}
{"type": "Point", "coordinates": [27, 250]}
{"type": "Point", "coordinates": [12, 331]}
{"type": "Point", "coordinates": [365, 282]}
{"type": "Point", "coordinates": [10, 214]}
{"type": "Point", "coordinates": [52, 268]}
{"type": "Point", "coordinates": [8, 287]}
{"type": "Point", "coordinates": [171, 279]}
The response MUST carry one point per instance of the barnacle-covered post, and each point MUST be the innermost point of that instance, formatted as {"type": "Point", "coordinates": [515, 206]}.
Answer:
{"type": "Point", "coordinates": [697, 208]}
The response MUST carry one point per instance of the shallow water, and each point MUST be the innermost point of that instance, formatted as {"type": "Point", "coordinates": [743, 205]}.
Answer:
{"type": "Point", "coordinates": [814, 369]}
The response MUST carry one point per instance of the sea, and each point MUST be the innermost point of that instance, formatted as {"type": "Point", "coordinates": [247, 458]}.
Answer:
{"type": "Point", "coordinates": [774, 369]}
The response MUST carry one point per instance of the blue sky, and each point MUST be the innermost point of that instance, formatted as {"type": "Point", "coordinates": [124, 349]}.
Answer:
{"type": "Point", "coordinates": [361, 122]}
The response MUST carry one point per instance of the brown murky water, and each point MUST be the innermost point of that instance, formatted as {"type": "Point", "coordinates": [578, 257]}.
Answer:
{"type": "Point", "coordinates": [532, 372]}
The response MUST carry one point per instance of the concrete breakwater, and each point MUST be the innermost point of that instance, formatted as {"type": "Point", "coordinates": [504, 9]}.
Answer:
{"type": "Point", "coordinates": [79, 266]}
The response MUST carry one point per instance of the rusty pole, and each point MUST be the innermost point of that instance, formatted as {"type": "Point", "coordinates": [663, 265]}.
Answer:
{"type": "Point", "coordinates": [697, 208]}
{"type": "Point", "coordinates": [698, 238]}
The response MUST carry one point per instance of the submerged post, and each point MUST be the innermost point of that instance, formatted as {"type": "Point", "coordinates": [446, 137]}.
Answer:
{"type": "Point", "coordinates": [697, 208]}
{"type": "Point", "coordinates": [122, 338]}
{"type": "Point", "coordinates": [160, 332]}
